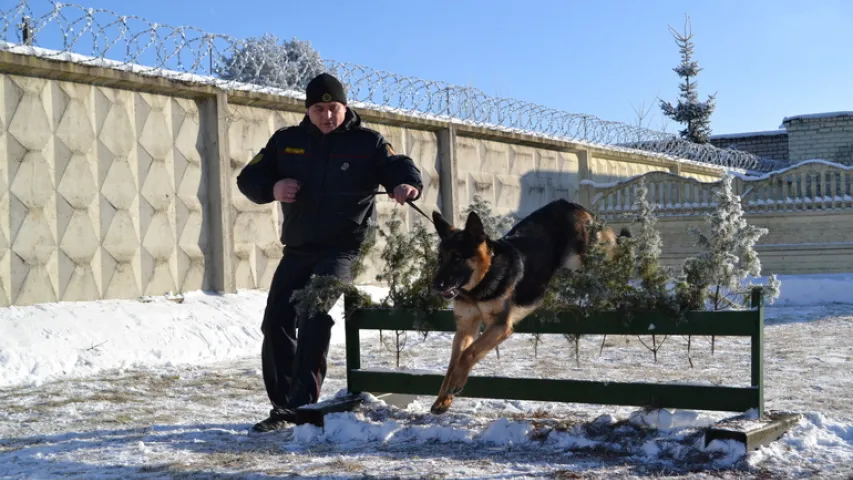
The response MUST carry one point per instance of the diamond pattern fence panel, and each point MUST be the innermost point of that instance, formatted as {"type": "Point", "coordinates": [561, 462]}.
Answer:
{"type": "Point", "coordinates": [102, 193]}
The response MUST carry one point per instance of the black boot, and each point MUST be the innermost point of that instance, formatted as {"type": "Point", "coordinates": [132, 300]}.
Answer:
{"type": "Point", "coordinates": [279, 418]}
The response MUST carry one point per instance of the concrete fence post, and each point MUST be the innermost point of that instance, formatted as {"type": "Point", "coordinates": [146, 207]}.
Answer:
{"type": "Point", "coordinates": [217, 161]}
{"type": "Point", "coordinates": [447, 173]}
{"type": "Point", "coordinates": [585, 194]}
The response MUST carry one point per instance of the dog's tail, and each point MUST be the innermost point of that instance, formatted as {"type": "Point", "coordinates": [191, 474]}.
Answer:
{"type": "Point", "coordinates": [625, 232]}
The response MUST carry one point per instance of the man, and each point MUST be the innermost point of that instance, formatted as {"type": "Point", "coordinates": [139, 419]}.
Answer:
{"type": "Point", "coordinates": [323, 172]}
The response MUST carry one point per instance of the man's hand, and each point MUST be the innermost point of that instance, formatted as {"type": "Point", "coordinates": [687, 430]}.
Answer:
{"type": "Point", "coordinates": [403, 192]}
{"type": "Point", "coordinates": [285, 190]}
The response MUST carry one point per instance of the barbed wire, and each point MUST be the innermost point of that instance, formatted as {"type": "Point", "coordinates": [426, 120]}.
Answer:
{"type": "Point", "coordinates": [107, 38]}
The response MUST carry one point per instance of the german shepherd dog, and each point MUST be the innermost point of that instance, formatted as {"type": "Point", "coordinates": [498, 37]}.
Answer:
{"type": "Point", "coordinates": [501, 281]}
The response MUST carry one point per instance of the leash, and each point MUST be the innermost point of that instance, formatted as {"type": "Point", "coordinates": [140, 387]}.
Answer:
{"type": "Point", "coordinates": [412, 204]}
{"type": "Point", "coordinates": [380, 192]}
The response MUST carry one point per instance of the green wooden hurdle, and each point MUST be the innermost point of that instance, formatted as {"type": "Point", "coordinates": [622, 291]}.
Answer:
{"type": "Point", "coordinates": [742, 323]}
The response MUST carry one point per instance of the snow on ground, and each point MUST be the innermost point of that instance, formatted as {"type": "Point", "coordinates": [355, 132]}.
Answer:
{"type": "Point", "coordinates": [58, 340]}
{"type": "Point", "coordinates": [169, 386]}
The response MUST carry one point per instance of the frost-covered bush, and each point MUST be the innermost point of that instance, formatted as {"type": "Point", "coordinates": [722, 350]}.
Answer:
{"type": "Point", "coordinates": [409, 261]}
{"type": "Point", "coordinates": [718, 277]}
{"type": "Point", "coordinates": [267, 61]}
{"type": "Point", "coordinates": [714, 279]}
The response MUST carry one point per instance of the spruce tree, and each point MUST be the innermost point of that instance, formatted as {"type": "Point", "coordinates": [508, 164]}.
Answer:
{"type": "Point", "coordinates": [652, 293]}
{"type": "Point", "coordinates": [714, 279]}
{"type": "Point", "coordinates": [409, 262]}
{"type": "Point", "coordinates": [689, 110]}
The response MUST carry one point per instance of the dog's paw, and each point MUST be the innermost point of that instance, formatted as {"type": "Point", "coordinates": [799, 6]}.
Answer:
{"type": "Point", "coordinates": [441, 405]}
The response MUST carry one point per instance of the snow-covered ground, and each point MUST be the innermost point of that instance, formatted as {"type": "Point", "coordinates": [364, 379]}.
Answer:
{"type": "Point", "coordinates": [168, 387]}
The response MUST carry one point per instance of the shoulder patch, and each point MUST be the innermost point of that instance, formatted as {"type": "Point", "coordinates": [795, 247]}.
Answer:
{"type": "Point", "coordinates": [294, 150]}
{"type": "Point", "coordinates": [257, 158]}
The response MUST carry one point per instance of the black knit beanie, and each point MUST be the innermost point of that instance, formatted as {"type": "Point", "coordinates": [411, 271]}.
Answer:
{"type": "Point", "coordinates": [324, 88]}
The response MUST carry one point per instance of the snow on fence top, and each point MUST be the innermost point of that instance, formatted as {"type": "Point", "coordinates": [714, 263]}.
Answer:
{"type": "Point", "coordinates": [763, 133]}
{"type": "Point", "coordinates": [264, 62]}
{"type": "Point", "coordinates": [809, 185]}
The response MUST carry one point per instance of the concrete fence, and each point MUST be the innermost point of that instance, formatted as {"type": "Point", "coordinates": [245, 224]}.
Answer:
{"type": "Point", "coordinates": [119, 185]}
{"type": "Point", "coordinates": [807, 209]}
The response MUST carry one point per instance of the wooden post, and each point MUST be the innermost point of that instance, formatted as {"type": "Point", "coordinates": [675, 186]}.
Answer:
{"type": "Point", "coordinates": [757, 344]}
{"type": "Point", "coordinates": [353, 344]}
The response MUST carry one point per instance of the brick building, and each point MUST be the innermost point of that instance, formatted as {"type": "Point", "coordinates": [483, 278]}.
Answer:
{"type": "Point", "coordinates": [827, 136]}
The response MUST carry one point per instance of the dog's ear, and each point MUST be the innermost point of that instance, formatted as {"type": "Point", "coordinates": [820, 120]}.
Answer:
{"type": "Point", "coordinates": [474, 227]}
{"type": "Point", "coordinates": [441, 226]}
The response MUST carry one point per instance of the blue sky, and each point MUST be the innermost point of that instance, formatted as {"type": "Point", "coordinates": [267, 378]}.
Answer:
{"type": "Point", "coordinates": [764, 59]}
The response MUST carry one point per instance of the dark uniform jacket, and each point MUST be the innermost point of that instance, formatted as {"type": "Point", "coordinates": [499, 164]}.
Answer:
{"type": "Point", "coordinates": [338, 172]}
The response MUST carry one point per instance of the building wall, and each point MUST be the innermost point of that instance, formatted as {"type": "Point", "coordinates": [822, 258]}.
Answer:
{"type": "Point", "coordinates": [823, 136]}
{"type": "Point", "coordinates": [773, 144]}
